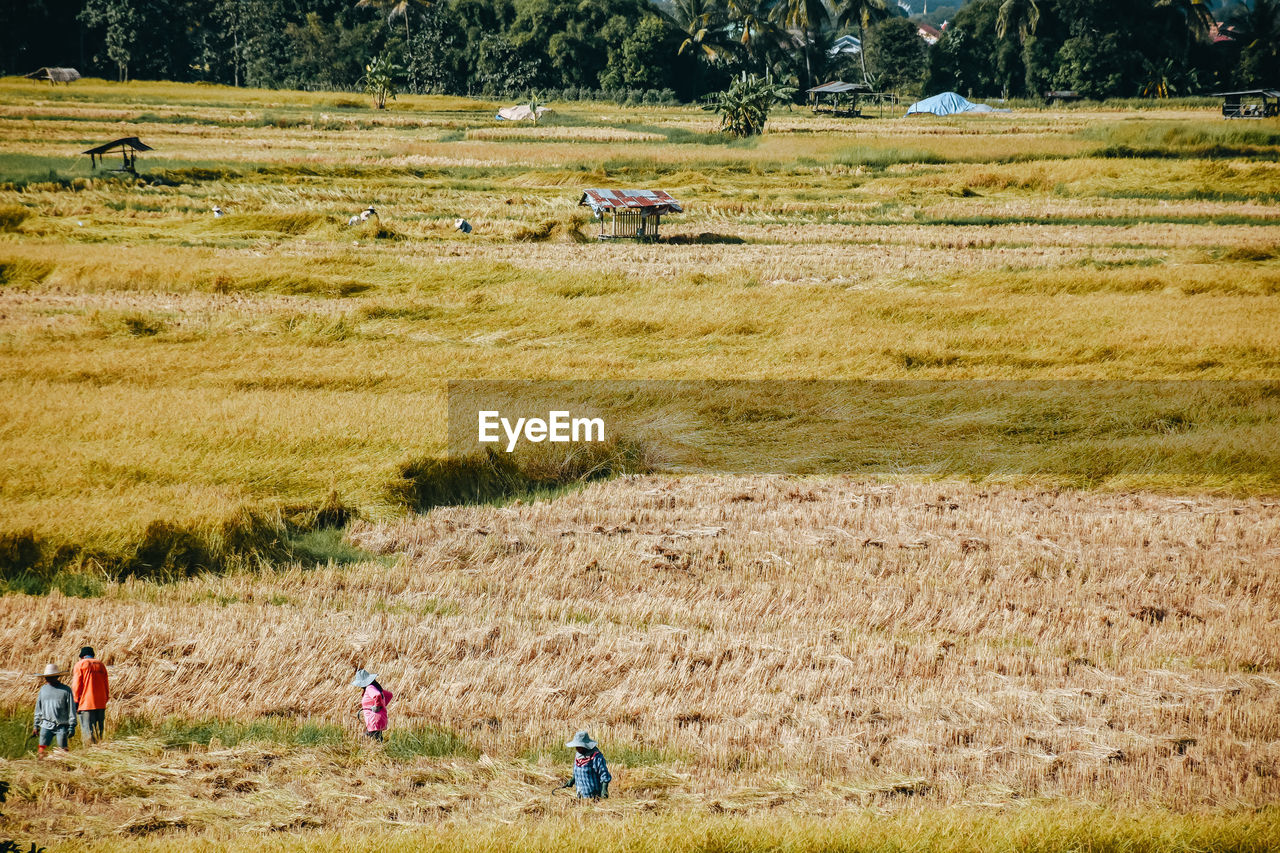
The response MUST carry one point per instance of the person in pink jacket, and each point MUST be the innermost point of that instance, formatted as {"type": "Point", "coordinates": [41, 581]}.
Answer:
{"type": "Point", "coordinates": [373, 703]}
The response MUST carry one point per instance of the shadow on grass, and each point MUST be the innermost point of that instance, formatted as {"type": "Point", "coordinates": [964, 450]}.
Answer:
{"type": "Point", "coordinates": [490, 477]}
{"type": "Point", "coordinates": [706, 238]}
{"type": "Point", "coordinates": [253, 538]}
{"type": "Point", "coordinates": [168, 552]}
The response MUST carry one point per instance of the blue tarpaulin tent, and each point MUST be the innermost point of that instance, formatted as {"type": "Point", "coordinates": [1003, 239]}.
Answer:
{"type": "Point", "coordinates": [948, 103]}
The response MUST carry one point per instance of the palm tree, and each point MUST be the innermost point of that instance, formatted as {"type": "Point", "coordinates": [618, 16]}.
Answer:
{"type": "Point", "coordinates": [1259, 29]}
{"type": "Point", "coordinates": [863, 12]}
{"type": "Point", "coordinates": [806, 16]}
{"type": "Point", "coordinates": [754, 18]}
{"type": "Point", "coordinates": [1196, 13]}
{"type": "Point", "coordinates": [701, 22]}
{"type": "Point", "coordinates": [398, 9]}
{"type": "Point", "coordinates": [1020, 15]}
{"type": "Point", "coordinates": [393, 8]}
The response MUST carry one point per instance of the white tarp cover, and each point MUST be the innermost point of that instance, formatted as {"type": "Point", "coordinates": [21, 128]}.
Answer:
{"type": "Point", "coordinates": [949, 103]}
{"type": "Point", "coordinates": [520, 112]}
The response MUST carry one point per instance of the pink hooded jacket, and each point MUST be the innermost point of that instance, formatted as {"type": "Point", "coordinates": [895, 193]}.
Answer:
{"type": "Point", "coordinates": [374, 703]}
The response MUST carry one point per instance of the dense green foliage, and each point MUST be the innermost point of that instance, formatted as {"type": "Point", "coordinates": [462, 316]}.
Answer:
{"type": "Point", "coordinates": [455, 46]}
{"type": "Point", "coordinates": [657, 50]}
{"type": "Point", "coordinates": [899, 55]}
{"type": "Point", "coordinates": [1107, 49]}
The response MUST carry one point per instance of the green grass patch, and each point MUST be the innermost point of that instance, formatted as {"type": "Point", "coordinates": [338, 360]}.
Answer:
{"type": "Point", "coordinates": [327, 545]}
{"type": "Point", "coordinates": [407, 744]}
{"type": "Point", "coordinates": [15, 729]}
{"type": "Point", "coordinates": [402, 744]}
{"type": "Point", "coordinates": [177, 732]}
{"type": "Point", "coordinates": [19, 170]}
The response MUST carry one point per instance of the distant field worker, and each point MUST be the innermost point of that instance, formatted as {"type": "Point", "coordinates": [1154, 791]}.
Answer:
{"type": "Point", "coordinates": [373, 703]}
{"type": "Point", "coordinates": [55, 719]}
{"type": "Point", "coordinates": [90, 690]}
{"type": "Point", "coordinates": [590, 772]}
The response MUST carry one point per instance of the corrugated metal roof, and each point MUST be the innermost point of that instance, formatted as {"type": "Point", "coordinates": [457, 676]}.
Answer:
{"type": "Point", "coordinates": [839, 87]}
{"type": "Point", "coordinates": [127, 142]}
{"type": "Point", "coordinates": [1270, 93]}
{"type": "Point", "coordinates": [655, 201]}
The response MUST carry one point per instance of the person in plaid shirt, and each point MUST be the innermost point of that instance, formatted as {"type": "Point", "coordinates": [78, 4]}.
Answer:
{"type": "Point", "coordinates": [590, 772]}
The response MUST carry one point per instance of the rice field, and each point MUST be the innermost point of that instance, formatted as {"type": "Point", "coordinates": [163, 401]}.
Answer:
{"type": "Point", "coordinates": [750, 646]}
{"type": "Point", "coordinates": [211, 425]}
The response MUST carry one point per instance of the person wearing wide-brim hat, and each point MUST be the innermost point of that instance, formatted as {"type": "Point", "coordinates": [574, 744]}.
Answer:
{"type": "Point", "coordinates": [373, 703]}
{"type": "Point", "coordinates": [55, 718]}
{"type": "Point", "coordinates": [591, 775]}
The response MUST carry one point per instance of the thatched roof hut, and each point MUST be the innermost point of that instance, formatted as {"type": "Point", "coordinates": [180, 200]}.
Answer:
{"type": "Point", "coordinates": [54, 75]}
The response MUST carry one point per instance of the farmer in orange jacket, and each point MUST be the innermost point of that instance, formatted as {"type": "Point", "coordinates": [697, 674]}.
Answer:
{"type": "Point", "coordinates": [89, 689]}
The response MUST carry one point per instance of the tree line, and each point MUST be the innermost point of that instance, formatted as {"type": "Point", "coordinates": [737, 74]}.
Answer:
{"type": "Point", "coordinates": [640, 50]}
{"type": "Point", "coordinates": [1108, 48]}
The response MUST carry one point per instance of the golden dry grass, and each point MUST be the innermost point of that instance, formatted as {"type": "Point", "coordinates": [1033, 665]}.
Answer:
{"type": "Point", "coordinates": [164, 365]}
{"type": "Point", "coordinates": [749, 645]}
{"type": "Point", "coordinates": [770, 662]}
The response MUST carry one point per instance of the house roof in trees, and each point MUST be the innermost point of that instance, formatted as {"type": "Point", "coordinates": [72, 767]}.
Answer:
{"type": "Point", "coordinates": [54, 75]}
{"type": "Point", "coordinates": [929, 33]}
{"type": "Point", "coordinates": [649, 201]}
{"type": "Point", "coordinates": [1219, 32]}
{"type": "Point", "coordinates": [847, 44]}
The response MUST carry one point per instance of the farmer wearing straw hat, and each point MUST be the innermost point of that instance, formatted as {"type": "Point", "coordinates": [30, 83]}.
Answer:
{"type": "Point", "coordinates": [373, 703]}
{"type": "Point", "coordinates": [55, 710]}
{"type": "Point", "coordinates": [89, 689]}
{"type": "Point", "coordinates": [590, 772]}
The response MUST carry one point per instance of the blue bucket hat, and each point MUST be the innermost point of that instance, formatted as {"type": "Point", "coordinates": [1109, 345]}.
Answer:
{"type": "Point", "coordinates": [583, 740]}
{"type": "Point", "coordinates": [363, 678]}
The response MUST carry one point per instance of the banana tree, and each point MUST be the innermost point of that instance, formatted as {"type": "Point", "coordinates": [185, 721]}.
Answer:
{"type": "Point", "coordinates": [744, 106]}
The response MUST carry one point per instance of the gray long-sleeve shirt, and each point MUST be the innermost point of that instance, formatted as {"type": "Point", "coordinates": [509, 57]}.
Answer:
{"type": "Point", "coordinates": [54, 706]}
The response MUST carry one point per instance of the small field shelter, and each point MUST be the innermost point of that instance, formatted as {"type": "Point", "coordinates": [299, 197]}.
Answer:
{"type": "Point", "coordinates": [632, 213]}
